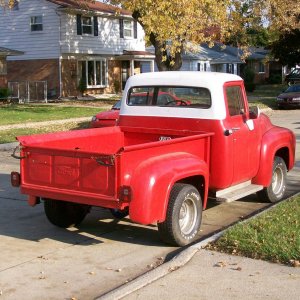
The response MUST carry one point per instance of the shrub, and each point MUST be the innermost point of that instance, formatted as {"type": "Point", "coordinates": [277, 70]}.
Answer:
{"type": "Point", "coordinates": [82, 85]}
{"type": "Point", "coordinates": [249, 76]}
{"type": "Point", "coordinates": [275, 79]}
{"type": "Point", "coordinates": [4, 93]}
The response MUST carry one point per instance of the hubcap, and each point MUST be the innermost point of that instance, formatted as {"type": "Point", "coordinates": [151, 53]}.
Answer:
{"type": "Point", "coordinates": [277, 181]}
{"type": "Point", "coordinates": [187, 216]}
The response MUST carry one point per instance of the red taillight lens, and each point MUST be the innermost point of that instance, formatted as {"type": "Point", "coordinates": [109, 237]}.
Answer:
{"type": "Point", "coordinates": [125, 194]}
{"type": "Point", "coordinates": [15, 179]}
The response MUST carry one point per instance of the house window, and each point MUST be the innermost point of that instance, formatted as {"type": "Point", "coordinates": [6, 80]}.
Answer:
{"type": "Point", "coordinates": [235, 100]}
{"type": "Point", "coordinates": [87, 25]}
{"type": "Point", "coordinates": [3, 70]}
{"type": "Point", "coordinates": [128, 29]}
{"type": "Point", "coordinates": [36, 23]}
{"type": "Point", "coordinates": [261, 67]}
{"type": "Point", "coordinates": [229, 68]}
{"type": "Point", "coordinates": [94, 72]}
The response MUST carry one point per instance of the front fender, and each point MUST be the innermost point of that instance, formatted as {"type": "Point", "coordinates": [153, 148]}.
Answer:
{"type": "Point", "coordinates": [152, 182]}
{"type": "Point", "coordinates": [277, 141]}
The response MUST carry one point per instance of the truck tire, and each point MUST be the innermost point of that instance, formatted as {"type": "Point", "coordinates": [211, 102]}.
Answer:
{"type": "Point", "coordinates": [118, 213]}
{"type": "Point", "coordinates": [65, 214]}
{"type": "Point", "coordinates": [183, 218]}
{"type": "Point", "coordinates": [275, 191]}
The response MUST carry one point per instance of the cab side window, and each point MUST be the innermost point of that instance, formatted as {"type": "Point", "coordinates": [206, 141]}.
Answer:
{"type": "Point", "coordinates": [235, 100]}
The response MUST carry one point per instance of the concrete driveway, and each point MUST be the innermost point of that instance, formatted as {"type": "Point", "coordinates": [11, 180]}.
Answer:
{"type": "Point", "coordinates": [40, 261]}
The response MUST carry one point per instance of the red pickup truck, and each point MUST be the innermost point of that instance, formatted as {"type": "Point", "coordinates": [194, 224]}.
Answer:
{"type": "Point", "coordinates": [164, 159]}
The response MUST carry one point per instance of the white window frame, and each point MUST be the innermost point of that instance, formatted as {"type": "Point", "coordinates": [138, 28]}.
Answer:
{"type": "Point", "coordinates": [261, 68]}
{"type": "Point", "coordinates": [128, 27]}
{"type": "Point", "coordinates": [35, 22]}
{"type": "Point", "coordinates": [101, 60]}
{"type": "Point", "coordinates": [87, 25]}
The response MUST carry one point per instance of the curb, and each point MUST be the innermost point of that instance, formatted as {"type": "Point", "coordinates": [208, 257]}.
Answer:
{"type": "Point", "coordinates": [178, 261]}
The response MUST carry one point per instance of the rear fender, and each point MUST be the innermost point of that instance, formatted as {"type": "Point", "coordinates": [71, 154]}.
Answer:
{"type": "Point", "coordinates": [152, 182]}
{"type": "Point", "coordinates": [276, 142]}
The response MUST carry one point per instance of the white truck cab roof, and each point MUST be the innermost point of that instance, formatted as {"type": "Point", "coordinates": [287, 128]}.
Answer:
{"type": "Point", "coordinates": [213, 81]}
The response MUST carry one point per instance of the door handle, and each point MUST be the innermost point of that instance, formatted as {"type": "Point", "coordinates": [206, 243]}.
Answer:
{"type": "Point", "coordinates": [228, 132]}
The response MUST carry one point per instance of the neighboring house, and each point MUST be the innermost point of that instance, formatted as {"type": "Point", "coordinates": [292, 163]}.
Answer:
{"type": "Point", "coordinates": [263, 65]}
{"type": "Point", "coordinates": [206, 59]}
{"type": "Point", "coordinates": [214, 59]}
{"type": "Point", "coordinates": [64, 43]}
{"type": "Point", "coordinates": [4, 53]}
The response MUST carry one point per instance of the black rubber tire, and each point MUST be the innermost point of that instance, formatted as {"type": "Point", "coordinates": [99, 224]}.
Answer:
{"type": "Point", "coordinates": [177, 229]}
{"type": "Point", "coordinates": [275, 191]}
{"type": "Point", "coordinates": [65, 214]}
{"type": "Point", "coordinates": [119, 214]}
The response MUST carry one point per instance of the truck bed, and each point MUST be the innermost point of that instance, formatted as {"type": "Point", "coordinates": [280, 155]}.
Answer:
{"type": "Point", "coordinates": [85, 165]}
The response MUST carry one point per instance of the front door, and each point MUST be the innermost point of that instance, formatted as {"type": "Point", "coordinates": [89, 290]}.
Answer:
{"type": "Point", "coordinates": [125, 72]}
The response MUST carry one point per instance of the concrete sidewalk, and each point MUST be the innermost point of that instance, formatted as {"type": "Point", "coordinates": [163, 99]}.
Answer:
{"type": "Point", "coordinates": [213, 275]}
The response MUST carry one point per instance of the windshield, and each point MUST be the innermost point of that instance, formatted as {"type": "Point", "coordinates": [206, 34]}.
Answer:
{"type": "Point", "coordinates": [293, 89]}
{"type": "Point", "coordinates": [197, 97]}
{"type": "Point", "coordinates": [117, 105]}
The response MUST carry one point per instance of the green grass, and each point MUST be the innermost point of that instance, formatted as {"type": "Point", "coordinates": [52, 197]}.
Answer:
{"type": "Point", "coordinates": [273, 236]}
{"type": "Point", "coordinates": [8, 136]}
{"type": "Point", "coordinates": [265, 95]}
{"type": "Point", "coordinates": [16, 113]}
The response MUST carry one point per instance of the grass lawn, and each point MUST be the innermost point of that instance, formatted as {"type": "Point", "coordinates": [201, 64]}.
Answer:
{"type": "Point", "coordinates": [265, 95]}
{"type": "Point", "coordinates": [20, 113]}
{"type": "Point", "coordinates": [272, 236]}
{"type": "Point", "coordinates": [8, 136]}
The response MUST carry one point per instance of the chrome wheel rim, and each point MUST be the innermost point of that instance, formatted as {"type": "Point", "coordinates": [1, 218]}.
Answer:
{"type": "Point", "coordinates": [188, 216]}
{"type": "Point", "coordinates": [277, 181]}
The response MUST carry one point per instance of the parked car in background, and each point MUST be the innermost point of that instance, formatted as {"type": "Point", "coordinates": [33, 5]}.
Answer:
{"type": "Point", "coordinates": [290, 97]}
{"type": "Point", "coordinates": [110, 118]}
{"type": "Point", "coordinates": [107, 118]}
{"type": "Point", "coordinates": [293, 77]}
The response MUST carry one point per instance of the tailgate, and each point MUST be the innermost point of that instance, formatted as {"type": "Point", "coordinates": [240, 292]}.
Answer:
{"type": "Point", "coordinates": [64, 174]}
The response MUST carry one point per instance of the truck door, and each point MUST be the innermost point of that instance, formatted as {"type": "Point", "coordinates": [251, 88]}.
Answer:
{"type": "Point", "coordinates": [243, 133]}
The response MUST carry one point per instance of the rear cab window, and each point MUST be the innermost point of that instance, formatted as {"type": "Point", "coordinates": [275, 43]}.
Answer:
{"type": "Point", "coordinates": [169, 96]}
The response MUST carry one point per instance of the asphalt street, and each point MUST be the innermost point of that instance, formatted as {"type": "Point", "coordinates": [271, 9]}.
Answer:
{"type": "Point", "coordinates": [40, 261]}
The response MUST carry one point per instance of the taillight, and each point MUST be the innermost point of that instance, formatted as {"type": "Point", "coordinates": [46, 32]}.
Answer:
{"type": "Point", "coordinates": [125, 194]}
{"type": "Point", "coordinates": [15, 179]}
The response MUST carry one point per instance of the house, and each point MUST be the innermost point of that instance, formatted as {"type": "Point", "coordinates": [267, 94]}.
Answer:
{"type": "Point", "coordinates": [4, 53]}
{"type": "Point", "coordinates": [66, 42]}
{"type": "Point", "coordinates": [209, 59]}
{"type": "Point", "coordinates": [213, 59]}
{"type": "Point", "coordinates": [263, 65]}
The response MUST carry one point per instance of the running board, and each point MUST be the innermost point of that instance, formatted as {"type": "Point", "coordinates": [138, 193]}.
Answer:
{"type": "Point", "coordinates": [238, 191]}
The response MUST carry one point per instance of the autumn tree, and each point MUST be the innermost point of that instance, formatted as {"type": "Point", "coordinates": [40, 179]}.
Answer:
{"type": "Point", "coordinates": [287, 48]}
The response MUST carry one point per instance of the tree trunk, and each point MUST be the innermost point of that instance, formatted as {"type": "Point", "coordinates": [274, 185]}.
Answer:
{"type": "Point", "coordinates": [171, 63]}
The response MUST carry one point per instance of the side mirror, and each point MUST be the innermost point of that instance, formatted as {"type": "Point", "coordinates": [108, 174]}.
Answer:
{"type": "Point", "coordinates": [254, 112]}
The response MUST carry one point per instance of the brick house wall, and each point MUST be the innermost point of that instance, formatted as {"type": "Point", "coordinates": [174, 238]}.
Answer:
{"type": "Point", "coordinates": [35, 70]}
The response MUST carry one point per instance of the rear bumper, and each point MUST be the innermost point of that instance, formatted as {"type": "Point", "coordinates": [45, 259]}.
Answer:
{"type": "Point", "coordinates": [72, 196]}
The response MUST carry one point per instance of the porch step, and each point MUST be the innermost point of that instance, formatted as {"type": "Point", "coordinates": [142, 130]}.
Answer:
{"type": "Point", "coordinates": [237, 191]}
